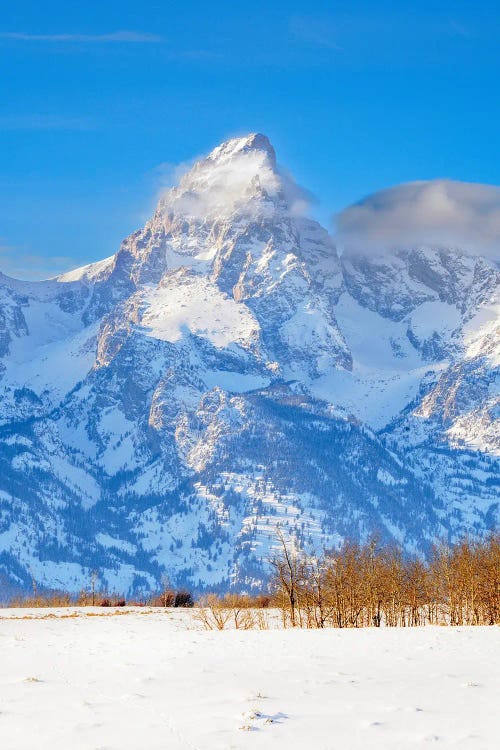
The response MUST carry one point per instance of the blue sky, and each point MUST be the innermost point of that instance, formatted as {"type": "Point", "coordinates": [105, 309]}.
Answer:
{"type": "Point", "coordinates": [356, 96]}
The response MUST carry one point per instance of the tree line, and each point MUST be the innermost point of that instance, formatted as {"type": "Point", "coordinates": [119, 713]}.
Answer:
{"type": "Point", "coordinates": [94, 596]}
{"type": "Point", "coordinates": [358, 585]}
{"type": "Point", "coordinates": [369, 585]}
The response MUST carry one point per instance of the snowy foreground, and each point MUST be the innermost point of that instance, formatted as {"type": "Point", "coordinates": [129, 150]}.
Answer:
{"type": "Point", "coordinates": [149, 679]}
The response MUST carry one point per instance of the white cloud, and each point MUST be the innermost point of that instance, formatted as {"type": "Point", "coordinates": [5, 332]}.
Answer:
{"type": "Point", "coordinates": [299, 198]}
{"type": "Point", "coordinates": [113, 36]}
{"type": "Point", "coordinates": [217, 186]}
{"type": "Point", "coordinates": [436, 212]}
{"type": "Point", "coordinates": [168, 174]}
{"type": "Point", "coordinates": [230, 178]}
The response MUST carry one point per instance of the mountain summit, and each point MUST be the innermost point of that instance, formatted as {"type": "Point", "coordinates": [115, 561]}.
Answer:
{"type": "Point", "coordinates": [225, 371]}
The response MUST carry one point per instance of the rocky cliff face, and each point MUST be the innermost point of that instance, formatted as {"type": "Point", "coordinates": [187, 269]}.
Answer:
{"type": "Point", "coordinates": [162, 410]}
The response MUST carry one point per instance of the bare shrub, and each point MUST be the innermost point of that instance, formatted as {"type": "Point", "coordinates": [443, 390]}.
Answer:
{"type": "Point", "coordinates": [212, 613]}
{"type": "Point", "coordinates": [237, 611]}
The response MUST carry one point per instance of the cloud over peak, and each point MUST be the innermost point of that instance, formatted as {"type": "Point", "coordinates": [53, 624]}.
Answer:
{"type": "Point", "coordinates": [240, 174]}
{"type": "Point", "coordinates": [438, 212]}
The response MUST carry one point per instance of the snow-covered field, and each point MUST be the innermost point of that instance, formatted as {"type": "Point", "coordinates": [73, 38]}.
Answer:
{"type": "Point", "coordinates": [146, 679]}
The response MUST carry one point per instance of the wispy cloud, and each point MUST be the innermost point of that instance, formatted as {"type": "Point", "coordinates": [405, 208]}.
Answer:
{"type": "Point", "coordinates": [456, 28]}
{"type": "Point", "coordinates": [31, 267]}
{"type": "Point", "coordinates": [44, 122]}
{"type": "Point", "coordinates": [352, 33]}
{"type": "Point", "coordinates": [318, 31]}
{"type": "Point", "coordinates": [111, 37]}
{"type": "Point", "coordinates": [168, 174]}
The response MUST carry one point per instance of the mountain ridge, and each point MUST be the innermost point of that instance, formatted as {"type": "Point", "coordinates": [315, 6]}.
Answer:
{"type": "Point", "coordinates": [226, 370]}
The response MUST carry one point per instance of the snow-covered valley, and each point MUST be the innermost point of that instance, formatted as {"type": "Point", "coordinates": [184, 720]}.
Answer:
{"type": "Point", "coordinates": [153, 679]}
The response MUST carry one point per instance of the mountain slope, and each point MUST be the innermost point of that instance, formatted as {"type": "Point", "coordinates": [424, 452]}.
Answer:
{"type": "Point", "coordinates": [163, 409]}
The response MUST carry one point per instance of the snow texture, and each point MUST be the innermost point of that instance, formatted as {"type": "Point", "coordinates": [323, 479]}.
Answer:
{"type": "Point", "coordinates": [151, 679]}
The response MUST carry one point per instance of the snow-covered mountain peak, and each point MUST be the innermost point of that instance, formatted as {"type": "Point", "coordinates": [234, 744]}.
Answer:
{"type": "Point", "coordinates": [90, 273]}
{"type": "Point", "coordinates": [238, 177]}
{"type": "Point", "coordinates": [230, 231]}
{"type": "Point", "coordinates": [244, 144]}
{"type": "Point", "coordinates": [235, 218]}
{"type": "Point", "coordinates": [396, 282]}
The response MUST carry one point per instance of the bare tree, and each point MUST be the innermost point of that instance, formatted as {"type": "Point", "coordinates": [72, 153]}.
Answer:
{"type": "Point", "coordinates": [288, 574]}
{"type": "Point", "coordinates": [94, 577]}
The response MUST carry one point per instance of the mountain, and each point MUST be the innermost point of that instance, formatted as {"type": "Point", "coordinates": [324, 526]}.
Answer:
{"type": "Point", "coordinates": [228, 369]}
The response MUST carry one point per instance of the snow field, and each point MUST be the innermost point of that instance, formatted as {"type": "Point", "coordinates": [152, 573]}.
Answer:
{"type": "Point", "coordinates": [147, 679]}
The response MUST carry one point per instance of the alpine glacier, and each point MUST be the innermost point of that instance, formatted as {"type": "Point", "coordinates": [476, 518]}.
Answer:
{"type": "Point", "coordinates": [228, 369]}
